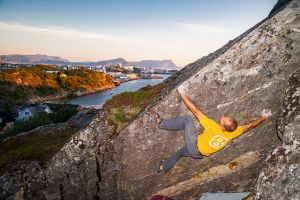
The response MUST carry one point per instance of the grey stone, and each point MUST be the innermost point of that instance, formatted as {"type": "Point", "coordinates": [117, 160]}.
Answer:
{"type": "Point", "coordinates": [250, 76]}
{"type": "Point", "coordinates": [280, 175]}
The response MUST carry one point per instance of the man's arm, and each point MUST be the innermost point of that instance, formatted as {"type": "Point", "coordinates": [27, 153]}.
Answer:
{"type": "Point", "coordinates": [264, 115]}
{"type": "Point", "coordinates": [190, 105]}
{"type": "Point", "coordinates": [253, 124]}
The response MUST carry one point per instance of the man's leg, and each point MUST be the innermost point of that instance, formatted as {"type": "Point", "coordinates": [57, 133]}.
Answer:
{"type": "Point", "coordinates": [173, 124]}
{"type": "Point", "coordinates": [190, 148]}
{"type": "Point", "coordinates": [182, 152]}
{"type": "Point", "coordinates": [191, 137]}
{"type": "Point", "coordinates": [190, 134]}
{"type": "Point", "coordinates": [169, 163]}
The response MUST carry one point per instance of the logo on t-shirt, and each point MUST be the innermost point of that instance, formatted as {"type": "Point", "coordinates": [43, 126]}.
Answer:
{"type": "Point", "coordinates": [217, 141]}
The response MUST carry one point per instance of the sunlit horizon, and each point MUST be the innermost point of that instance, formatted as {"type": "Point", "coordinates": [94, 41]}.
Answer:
{"type": "Point", "coordinates": [133, 30]}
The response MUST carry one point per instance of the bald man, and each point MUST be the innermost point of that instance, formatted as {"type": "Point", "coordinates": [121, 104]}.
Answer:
{"type": "Point", "coordinates": [216, 135]}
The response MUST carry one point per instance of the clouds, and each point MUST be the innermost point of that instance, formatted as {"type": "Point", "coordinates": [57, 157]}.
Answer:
{"type": "Point", "coordinates": [179, 30]}
{"type": "Point", "coordinates": [181, 42]}
{"type": "Point", "coordinates": [61, 32]}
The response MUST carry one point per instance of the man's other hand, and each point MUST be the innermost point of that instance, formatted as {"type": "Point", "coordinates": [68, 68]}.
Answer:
{"type": "Point", "coordinates": [266, 113]}
{"type": "Point", "coordinates": [181, 89]}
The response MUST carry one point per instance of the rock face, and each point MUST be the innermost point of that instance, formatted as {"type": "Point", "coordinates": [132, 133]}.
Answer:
{"type": "Point", "coordinates": [74, 172]}
{"type": "Point", "coordinates": [280, 175]}
{"type": "Point", "coordinates": [26, 172]}
{"type": "Point", "coordinates": [245, 76]}
{"type": "Point", "coordinates": [12, 181]}
{"type": "Point", "coordinates": [249, 76]}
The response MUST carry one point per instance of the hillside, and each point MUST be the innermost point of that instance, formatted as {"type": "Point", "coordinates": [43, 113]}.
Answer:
{"type": "Point", "coordinates": [33, 83]}
{"type": "Point", "coordinates": [257, 70]}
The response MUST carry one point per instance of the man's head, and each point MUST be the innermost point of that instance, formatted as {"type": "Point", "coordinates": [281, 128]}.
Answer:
{"type": "Point", "coordinates": [228, 123]}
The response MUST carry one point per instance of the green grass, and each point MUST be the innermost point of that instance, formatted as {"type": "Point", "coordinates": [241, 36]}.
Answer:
{"type": "Point", "coordinates": [120, 116]}
{"type": "Point", "coordinates": [39, 119]}
{"type": "Point", "coordinates": [37, 146]}
{"type": "Point", "coordinates": [32, 148]}
{"type": "Point", "coordinates": [122, 108]}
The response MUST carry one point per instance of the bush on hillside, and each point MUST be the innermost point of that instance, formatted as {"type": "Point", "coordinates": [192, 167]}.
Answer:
{"type": "Point", "coordinates": [122, 108]}
{"type": "Point", "coordinates": [39, 119]}
{"type": "Point", "coordinates": [20, 84]}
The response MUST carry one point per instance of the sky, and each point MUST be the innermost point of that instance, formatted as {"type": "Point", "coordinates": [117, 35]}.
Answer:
{"type": "Point", "coordinates": [93, 30]}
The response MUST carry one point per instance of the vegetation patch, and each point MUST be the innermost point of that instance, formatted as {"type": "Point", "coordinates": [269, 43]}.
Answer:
{"type": "Point", "coordinates": [34, 147]}
{"type": "Point", "coordinates": [20, 84]}
{"type": "Point", "coordinates": [39, 119]}
{"type": "Point", "coordinates": [122, 108]}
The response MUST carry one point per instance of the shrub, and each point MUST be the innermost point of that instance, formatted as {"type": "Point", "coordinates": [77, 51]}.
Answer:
{"type": "Point", "coordinates": [122, 108]}
{"type": "Point", "coordinates": [37, 147]}
{"type": "Point", "coordinates": [62, 115]}
{"type": "Point", "coordinates": [39, 119]}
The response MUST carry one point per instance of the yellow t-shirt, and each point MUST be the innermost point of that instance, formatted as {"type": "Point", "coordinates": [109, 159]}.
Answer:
{"type": "Point", "coordinates": [214, 138]}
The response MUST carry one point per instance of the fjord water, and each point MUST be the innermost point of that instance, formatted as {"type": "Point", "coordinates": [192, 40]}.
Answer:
{"type": "Point", "coordinates": [97, 99]}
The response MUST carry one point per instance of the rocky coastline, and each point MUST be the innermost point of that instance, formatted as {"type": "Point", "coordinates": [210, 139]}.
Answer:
{"type": "Point", "coordinates": [62, 95]}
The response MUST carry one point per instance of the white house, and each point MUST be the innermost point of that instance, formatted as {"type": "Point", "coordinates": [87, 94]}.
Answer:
{"type": "Point", "coordinates": [51, 71]}
{"type": "Point", "coordinates": [100, 68]}
{"type": "Point", "coordinates": [115, 74]}
{"type": "Point", "coordinates": [123, 77]}
{"type": "Point", "coordinates": [132, 76]}
{"type": "Point", "coordinates": [130, 68]}
{"type": "Point", "coordinates": [25, 112]}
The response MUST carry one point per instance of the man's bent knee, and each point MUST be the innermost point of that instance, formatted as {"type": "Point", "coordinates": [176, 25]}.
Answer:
{"type": "Point", "coordinates": [199, 156]}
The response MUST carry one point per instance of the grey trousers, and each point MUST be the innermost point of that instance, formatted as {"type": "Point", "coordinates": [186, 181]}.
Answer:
{"type": "Point", "coordinates": [190, 148]}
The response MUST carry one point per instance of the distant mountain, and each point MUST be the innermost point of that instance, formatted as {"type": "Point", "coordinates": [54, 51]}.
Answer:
{"type": "Point", "coordinates": [161, 64]}
{"type": "Point", "coordinates": [156, 64]}
{"type": "Point", "coordinates": [111, 62]}
{"type": "Point", "coordinates": [32, 59]}
{"type": "Point", "coordinates": [52, 60]}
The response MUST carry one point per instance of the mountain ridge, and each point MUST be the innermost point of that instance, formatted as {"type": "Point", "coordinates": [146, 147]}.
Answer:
{"type": "Point", "coordinates": [32, 59]}
{"type": "Point", "coordinates": [46, 59]}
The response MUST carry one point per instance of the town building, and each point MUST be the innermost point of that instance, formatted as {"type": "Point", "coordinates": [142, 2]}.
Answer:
{"type": "Point", "coordinates": [51, 71]}
{"type": "Point", "coordinates": [129, 68]}
{"type": "Point", "coordinates": [100, 68]}
{"type": "Point", "coordinates": [132, 76]}
{"type": "Point", "coordinates": [27, 111]}
{"type": "Point", "coordinates": [115, 74]}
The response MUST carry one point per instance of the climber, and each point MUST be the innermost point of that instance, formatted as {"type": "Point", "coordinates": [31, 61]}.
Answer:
{"type": "Point", "coordinates": [214, 138]}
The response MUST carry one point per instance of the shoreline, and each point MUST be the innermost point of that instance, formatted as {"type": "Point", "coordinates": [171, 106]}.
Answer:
{"type": "Point", "coordinates": [85, 93]}
{"type": "Point", "coordinates": [60, 97]}
{"type": "Point", "coordinates": [65, 95]}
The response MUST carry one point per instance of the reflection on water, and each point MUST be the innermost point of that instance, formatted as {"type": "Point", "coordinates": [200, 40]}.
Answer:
{"type": "Point", "coordinates": [97, 99]}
